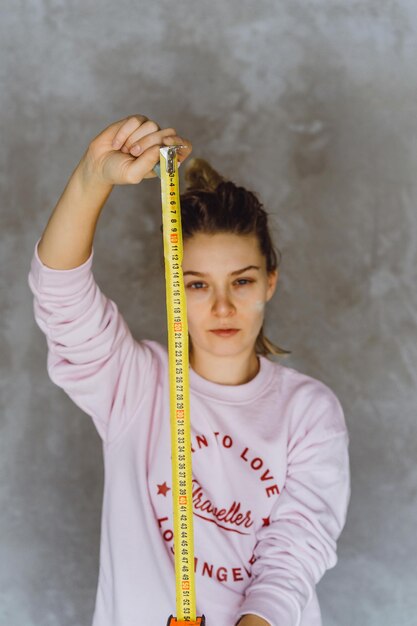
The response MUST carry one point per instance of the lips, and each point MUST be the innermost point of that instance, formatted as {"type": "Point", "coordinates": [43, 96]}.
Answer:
{"type": "Point", "coordinates": [225, 332]}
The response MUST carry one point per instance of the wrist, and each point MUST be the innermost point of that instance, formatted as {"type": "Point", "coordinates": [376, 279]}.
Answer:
{"type": "Point", "coordinates": [88, 177]}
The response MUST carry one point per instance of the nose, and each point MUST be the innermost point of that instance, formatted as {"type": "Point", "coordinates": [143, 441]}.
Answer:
{"type": "Point", "coordinates": [223, 305]}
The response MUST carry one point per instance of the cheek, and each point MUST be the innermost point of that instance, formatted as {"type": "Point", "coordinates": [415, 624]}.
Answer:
{"type": "Point", "coordinates": [253, 301]}
{"type": "Point", "coordinates": [196, 297]}
{"type": "Point", "coordinates": [195, 311]}
{"type": "Point", "coordinates": [257, 312]}
{"type": "Point", "coordinates": [259, 306]}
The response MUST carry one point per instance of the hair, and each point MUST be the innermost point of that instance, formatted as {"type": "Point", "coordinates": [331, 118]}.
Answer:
{"type": "Point", "coordinates": [212, 205]}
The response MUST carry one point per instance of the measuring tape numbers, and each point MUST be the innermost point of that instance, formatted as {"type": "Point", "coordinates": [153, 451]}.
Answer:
{"type": "Point", "coordinates": [178, 363]}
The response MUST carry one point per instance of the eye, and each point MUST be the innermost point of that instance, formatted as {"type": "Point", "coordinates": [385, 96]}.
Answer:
{"type": "Point", "coordinates": [196, 285]}
{"type": "Point", "coordinates": [244, 281]}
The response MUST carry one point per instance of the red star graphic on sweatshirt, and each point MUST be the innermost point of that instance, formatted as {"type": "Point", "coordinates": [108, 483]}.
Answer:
{"type": "Point", "coordinates": [266, 521]}
{"type": "Point", "coordinates": [163, 489]}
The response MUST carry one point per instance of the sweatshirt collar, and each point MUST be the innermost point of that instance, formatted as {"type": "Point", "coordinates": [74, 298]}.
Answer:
{"type": "Point", "coordinates": [236, 394]}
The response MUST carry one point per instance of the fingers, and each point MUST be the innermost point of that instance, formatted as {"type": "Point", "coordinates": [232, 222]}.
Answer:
{"type": "Point", "coordinates": [129, 126]}
{"type": "Point", "coordinates": [142, 167]}
{"type": "Point", "coordinates": [137, 133]}
{"type": "Point", "coordinates": [141, 139]}
{"type": "Point", "coordinates": [149, 140]}
{"type": "Point", "coordinates": [147, 129]}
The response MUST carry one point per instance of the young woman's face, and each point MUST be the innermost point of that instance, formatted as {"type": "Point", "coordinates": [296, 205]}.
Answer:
{"type": "Point", "coordinates": [227, 286]}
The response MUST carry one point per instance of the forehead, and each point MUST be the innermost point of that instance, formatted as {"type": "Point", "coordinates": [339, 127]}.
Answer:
{"type": "Point", "coordinates": [223, 252]}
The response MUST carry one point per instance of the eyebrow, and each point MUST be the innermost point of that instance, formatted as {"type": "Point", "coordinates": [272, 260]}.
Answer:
{"type": "Point", "coordinates": [235, 273]}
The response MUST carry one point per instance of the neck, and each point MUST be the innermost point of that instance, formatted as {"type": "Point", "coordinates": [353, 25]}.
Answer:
{"type": "Point", "coordinates": [224, 370]}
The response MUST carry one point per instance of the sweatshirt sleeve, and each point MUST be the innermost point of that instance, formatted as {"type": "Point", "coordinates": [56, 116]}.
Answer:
{"type": "Point", "coordinates": [92, 355]}
{"type": "Point", "coordinates": [299, 545]}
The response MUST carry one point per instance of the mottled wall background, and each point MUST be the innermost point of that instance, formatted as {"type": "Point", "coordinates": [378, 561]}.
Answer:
{"type": "Point", "coordinates": [313, 105]}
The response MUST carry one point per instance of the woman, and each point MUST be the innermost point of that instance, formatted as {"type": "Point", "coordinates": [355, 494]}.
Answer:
{"type": "Point", "coordinates": [269, 444]}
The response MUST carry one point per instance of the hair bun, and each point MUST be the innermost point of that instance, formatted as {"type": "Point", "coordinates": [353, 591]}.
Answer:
{"type": "Point", "coordinates": [200, 175]}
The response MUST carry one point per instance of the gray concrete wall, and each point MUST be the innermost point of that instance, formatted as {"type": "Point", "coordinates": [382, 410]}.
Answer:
{"type": "Point", "coordinates": [313, 105]}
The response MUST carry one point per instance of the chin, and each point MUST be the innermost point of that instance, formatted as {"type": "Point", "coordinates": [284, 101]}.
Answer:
{"type": "Point", "coordinates": [227, 349]}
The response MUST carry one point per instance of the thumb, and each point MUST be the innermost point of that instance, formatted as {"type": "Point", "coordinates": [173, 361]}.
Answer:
{"type": "Point", "coordinates": [143, 165]}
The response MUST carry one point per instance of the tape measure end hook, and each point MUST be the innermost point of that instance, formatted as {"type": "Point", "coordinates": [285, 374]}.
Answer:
{"type": "Point", "coordinates": [170, 152]}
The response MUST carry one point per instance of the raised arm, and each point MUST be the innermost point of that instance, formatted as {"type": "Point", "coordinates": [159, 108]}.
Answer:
{"type": "Point", "coordinates": [92, 355]}
{"type": "Point", "coordinates": [123, 153]}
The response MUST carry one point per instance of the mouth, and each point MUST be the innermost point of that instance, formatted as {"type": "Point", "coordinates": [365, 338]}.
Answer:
{"type": "Point", "coordinates": [225, 332]}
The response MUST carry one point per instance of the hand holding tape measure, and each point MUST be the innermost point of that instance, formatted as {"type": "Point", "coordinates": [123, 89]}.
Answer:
{"type": "Point", "coordinates": [127, 151]}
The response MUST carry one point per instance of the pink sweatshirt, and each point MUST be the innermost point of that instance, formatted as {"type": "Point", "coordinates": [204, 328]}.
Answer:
{"type": "Point", "coordinates": [270, 469]}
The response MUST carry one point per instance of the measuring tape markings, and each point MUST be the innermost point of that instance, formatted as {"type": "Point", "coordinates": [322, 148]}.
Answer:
{"type": "Point", "coordinates": [167, 169]}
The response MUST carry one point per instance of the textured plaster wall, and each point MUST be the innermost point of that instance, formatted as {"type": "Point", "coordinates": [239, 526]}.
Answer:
{"type": "Point", "coordinates": [313, 105]}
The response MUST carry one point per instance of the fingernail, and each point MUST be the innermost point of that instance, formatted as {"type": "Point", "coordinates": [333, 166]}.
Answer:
{"type": "Point", "coordinates": [135, 150]}
{"type": "Point", "coordinates": [116, 144]}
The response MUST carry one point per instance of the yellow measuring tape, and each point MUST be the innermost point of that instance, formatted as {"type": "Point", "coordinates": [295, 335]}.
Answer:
{"type": "Point", "coordinates": [167, 169]}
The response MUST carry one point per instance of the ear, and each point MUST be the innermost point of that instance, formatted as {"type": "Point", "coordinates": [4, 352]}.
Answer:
{"type": "Point", "coordinates": [272, 283]}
